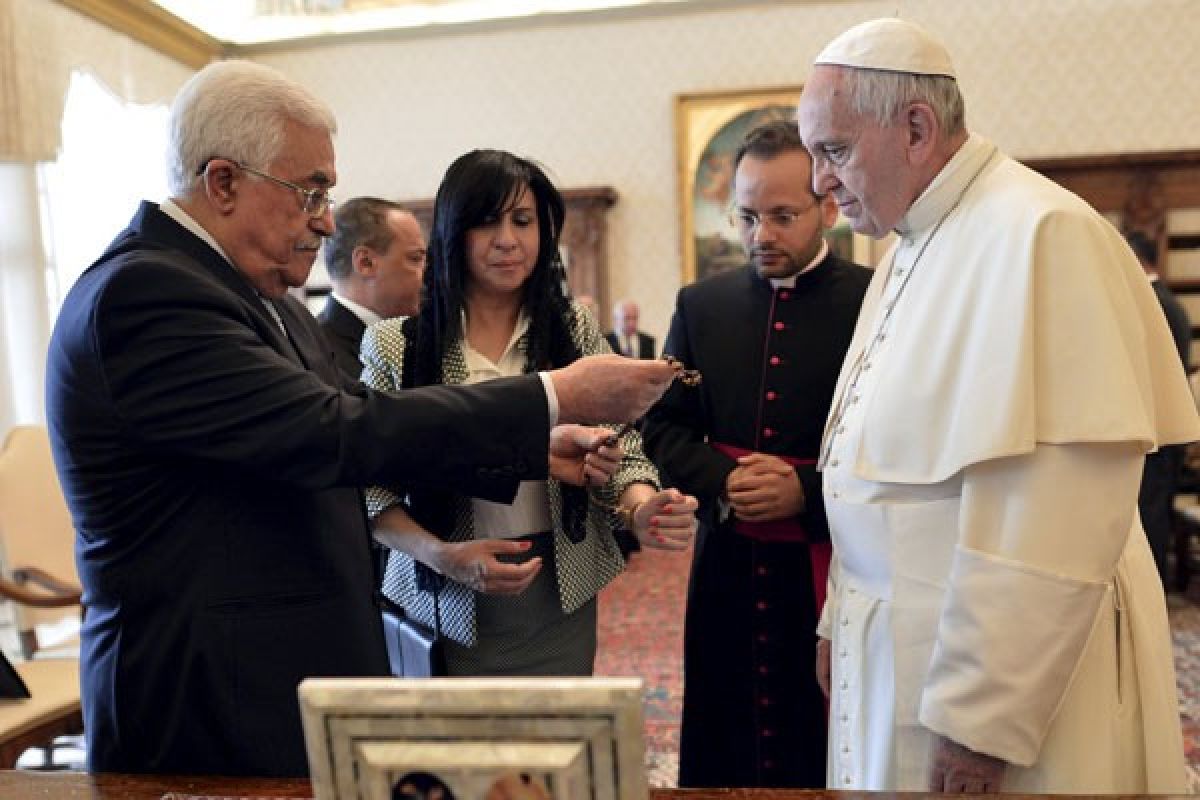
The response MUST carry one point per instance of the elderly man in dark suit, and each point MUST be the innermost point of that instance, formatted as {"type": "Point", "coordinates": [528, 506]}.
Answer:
{"type": "Point", "coordinates": [375, 258]}
{"type": "Point", "coordinates": [625, 338]}
{"type": "Point", "coordinates": [210, 451]}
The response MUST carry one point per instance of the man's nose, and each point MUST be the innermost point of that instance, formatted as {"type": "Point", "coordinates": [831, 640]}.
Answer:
{"type": "Point", "coordinates": [763, 231]}
{"type": "Point", "coordinates": [824, 180]}
{"type": "Point", "coordinates": [323, 224]}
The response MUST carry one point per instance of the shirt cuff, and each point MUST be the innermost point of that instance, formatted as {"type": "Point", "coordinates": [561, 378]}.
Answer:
{"type": "Point", "coordinates": [551, 397]}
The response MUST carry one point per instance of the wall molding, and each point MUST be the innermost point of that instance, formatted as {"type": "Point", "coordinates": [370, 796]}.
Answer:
{"type": "Point", "coordinates": [154, 27]}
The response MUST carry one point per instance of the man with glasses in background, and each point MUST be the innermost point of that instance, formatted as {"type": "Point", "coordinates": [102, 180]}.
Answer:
{"type": "Point", "coordinates": [210, 451]}
{"type": "Point", "coordinates": [769, 339]}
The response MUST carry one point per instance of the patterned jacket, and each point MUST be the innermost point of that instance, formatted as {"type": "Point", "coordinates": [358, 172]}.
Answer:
{"type": "Point", "coordinates": [582, 568]}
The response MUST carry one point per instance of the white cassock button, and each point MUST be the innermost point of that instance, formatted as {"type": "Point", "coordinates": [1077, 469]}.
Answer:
{"type": "Point", "coordinates": [834, 463]}
{"type": "Point", "coordinates": [845, 621]}
{"type": "Point", "coordinates": [854, 398]}
{"type": "Point", "coordinates": [845, 685]}
{"type": "Point", "coordinates": [842, 654]}
{"type": "Point", "coordinates": [846, 779]}
{"type": "Point", "coordinates": [841, 429]}
{"type": "Point", "coordinates": [851, 590]}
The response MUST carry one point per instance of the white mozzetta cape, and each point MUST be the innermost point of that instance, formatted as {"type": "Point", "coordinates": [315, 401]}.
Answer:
{"type": "Point", "coordinates": [1025, 322]}
{"type": "Point", "coordinates": [993, 583]}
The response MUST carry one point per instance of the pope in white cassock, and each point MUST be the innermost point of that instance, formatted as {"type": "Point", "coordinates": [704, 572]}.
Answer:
{"type": "Point", "coordinates": [995, 620]}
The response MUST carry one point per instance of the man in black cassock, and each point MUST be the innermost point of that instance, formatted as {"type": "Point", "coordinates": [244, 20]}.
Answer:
{"type": "Point", "coordinates": [769, 340]}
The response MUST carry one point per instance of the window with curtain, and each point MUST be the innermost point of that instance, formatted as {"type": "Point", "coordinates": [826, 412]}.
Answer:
{"type": "Point", "coordinates": [113, 156]}
{"type": "Point", "coordinates": [59, 218]}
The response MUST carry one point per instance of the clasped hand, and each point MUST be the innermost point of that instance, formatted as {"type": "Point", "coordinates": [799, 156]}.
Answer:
{"type": "Point", "coordinates": [477, 564]}
{"type": "Point", "coordinates": [666, 520]}
{"type": "Point", "coordinates": [763, 488]}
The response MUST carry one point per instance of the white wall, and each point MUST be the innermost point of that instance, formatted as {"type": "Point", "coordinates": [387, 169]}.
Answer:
{"type": "Point", "coordinates": [594, 100]}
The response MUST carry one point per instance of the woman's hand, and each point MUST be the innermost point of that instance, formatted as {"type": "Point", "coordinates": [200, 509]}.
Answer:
{"type": "Point", "coordinates": [477, 564]}
{"type": "Point", "coordinates": [583, 456]}
{"type": "Point", "coordinates": [665, 520]}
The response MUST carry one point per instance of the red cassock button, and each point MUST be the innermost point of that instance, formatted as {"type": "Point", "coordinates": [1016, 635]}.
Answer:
{"type": "Point", "coordinates": [772, 395]}
{"type": "Point", "coordinates": [779, 326]}
{"type": "Point", "coordinates": [761, 570]}
{"type": "Point", "coordinates": [763, 670]}
{"type": "Point", "coordinates": [763, 638]}
{"type": "Point", "coordinates": [768, 432]}
{"type": "Point", "coordinates": [785, 295]}
{"type": "Point", "coordinates": [761, 605]}
{"type": "Point", "coordinates": [775, 361]}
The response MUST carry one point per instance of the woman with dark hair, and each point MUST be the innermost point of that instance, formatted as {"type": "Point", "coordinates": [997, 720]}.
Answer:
{"type": "Point", "coordinates": [522, 579]}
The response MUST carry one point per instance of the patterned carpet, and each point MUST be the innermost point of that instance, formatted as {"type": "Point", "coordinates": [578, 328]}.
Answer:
{"type": "Point", "coordinates": [641, 634]}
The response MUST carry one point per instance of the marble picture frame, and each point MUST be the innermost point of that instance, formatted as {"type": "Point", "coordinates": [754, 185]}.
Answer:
{"type": "Point", "coordinates": [570, 738]}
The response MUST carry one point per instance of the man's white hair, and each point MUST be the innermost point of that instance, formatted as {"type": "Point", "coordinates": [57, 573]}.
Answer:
{"type": "Point", "coordinates": [883, 94]}
{"type": "Point", "coordinates": [235, 110]}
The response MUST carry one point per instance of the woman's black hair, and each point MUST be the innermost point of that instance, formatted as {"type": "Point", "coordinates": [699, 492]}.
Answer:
{"type": "Point", "coordinates": [478, 187]}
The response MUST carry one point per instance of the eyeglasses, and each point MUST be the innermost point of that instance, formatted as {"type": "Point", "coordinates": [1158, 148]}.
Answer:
{"type": "Point", "coordinates": [780, 219]}
{"type": "Point", "coordinates": [315, 202]}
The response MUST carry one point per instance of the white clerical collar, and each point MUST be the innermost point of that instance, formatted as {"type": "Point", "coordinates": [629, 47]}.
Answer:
{"type": "Point", "coordinates": [946, 189]}
{"type": "Point", "coordinates": [175, 212]}
{"type": "Point", "coordinates": [365, 314]}
{"type": "Point", "coordinates": [790, 281]}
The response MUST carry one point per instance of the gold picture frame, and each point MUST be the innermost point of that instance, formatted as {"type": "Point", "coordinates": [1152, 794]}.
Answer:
{"type": "Point", "coordinates": [708, 127]}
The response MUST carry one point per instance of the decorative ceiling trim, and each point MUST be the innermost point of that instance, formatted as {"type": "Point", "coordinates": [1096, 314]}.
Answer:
{"type": "Point", "coordinates": [154, 27]}
{"type": "Point", "coordinates": [546, 19]}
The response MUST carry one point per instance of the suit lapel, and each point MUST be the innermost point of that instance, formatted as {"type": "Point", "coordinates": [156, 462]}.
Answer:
{"type": "Point", "coordinates": [308, 341]}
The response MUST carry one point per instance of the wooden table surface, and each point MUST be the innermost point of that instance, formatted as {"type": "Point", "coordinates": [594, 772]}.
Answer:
{"type": "Point", "coordinates": [20, 785]}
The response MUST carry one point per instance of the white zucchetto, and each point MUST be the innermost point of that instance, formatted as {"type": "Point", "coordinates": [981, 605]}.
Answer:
{"type": "Point", "coordinates": [890, 44]}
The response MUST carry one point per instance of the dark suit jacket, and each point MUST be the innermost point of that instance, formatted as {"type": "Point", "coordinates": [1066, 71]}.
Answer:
{"type": "Point", "coordinates": [344, 331]}
{"type": "Point", "coordinates": [645, 344]}
{"type": "Point", "coordinates": [211, 466]}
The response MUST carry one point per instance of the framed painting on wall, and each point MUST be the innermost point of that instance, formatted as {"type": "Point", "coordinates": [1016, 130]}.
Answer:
{"type": "Point", "coordinates": [709, 127]}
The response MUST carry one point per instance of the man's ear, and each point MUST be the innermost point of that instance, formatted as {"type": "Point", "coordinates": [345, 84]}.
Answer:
{"type": "Point", "coordinates": [363, 260]}
{"type": "Point", "coordinates": [922, 132]}
{"type": "Point", "coordinates": [220, 186]}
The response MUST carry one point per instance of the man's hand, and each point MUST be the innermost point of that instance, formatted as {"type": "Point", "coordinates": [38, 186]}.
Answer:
{"type": "Point", "coordinates": [824, 664]}
{"type": "Point", "coordinates": [477, 564]}
{"type": "Point", "coordinates": [763, 488]}
{"type": "Point", "coordinates": [609, 388]}
{"type": "Point", "coordinates": [580, 456]}
{"type": "Point", "coordinates": [959, 770]}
